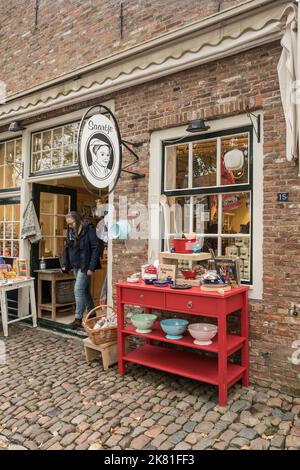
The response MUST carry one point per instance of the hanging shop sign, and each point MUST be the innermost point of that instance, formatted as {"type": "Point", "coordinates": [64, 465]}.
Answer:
{"type": "Point", "coordinates": [100, 149]}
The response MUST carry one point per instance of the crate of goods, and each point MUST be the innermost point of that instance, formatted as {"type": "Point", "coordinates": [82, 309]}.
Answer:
{"type": "Point", "coordinates": [101, 328]}
{"type": "Point", "coordinates": [65, 292]}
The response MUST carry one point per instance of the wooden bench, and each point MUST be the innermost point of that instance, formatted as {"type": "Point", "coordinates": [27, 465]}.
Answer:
{"type": "Point", "coordinates": [108, 351]}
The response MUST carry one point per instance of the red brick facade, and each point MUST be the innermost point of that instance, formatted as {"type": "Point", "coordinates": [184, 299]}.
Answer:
{"type": "Point", "coordinates": [83, 32]}
{"type": "Point", "coordinates": [170, 102]}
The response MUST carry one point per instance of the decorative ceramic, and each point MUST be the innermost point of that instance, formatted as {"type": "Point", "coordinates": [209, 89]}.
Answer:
{"type": "Point", "coordinates": [174, 327]}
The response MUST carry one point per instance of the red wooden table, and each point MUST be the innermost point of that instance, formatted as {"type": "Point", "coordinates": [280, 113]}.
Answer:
{"type": "Point", "coordinates": [216, 371]}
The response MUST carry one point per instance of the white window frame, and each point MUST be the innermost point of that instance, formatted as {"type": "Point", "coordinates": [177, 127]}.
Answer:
{"type": "Point", "coordinates": [155, 175]}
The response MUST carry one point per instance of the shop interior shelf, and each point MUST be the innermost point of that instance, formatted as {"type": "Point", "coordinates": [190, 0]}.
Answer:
{"type": "Point", "coordinates": [50, 306]}
{"type": "Point", "coordinates": [184, 363]}
{"type": "Point", "coordinates": [186, 256]}
{"type": "Point", "coordinates": [234, 342]}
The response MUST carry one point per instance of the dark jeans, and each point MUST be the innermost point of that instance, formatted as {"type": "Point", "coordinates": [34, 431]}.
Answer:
{"type": "Point", "coordinates": [82, 293]}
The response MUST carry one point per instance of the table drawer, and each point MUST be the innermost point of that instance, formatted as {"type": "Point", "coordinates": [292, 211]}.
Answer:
{"type": "Point", "coordinates": [143, 298]}
{"type": "Point", "coordinates": [191, 304]}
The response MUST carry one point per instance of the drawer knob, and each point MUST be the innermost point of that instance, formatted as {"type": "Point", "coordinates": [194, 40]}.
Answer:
{"type": "Point", "coordinates": [142, 296]}
{"type": "Point", "coordinates": [190, 304]}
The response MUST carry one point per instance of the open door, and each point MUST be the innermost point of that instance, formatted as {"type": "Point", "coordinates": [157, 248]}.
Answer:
{"type": "Point", "coordinates": [51, 203]}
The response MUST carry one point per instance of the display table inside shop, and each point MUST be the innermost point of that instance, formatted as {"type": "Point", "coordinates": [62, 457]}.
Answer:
{"type": "Point", "coordinates": [27, 283]}
{"type": "Point", "coordinates": [54, 276]}
{"type": "Point", "coordinates": [216, 370]}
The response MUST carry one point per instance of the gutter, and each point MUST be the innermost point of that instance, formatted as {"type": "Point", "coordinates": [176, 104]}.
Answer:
{"type": "Point", "coordinates": [174, 36]}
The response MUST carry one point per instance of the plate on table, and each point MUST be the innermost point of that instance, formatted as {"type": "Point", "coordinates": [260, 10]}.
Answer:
{"type": "Point", "coordinates": [161, 283]}
{"type": "Point", "coordinates": [181, 286]}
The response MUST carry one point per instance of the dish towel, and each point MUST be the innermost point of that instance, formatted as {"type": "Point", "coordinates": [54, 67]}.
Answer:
{"type": "Point", "coordinates": [31, 229]}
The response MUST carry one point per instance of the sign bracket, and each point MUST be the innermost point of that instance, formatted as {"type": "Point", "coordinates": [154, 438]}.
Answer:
{"type": "Point", "coordinates": [136, 157]}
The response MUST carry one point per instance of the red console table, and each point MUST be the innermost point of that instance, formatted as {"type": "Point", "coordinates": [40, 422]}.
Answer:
{"type": "Point", "coordinates": [216, 371]}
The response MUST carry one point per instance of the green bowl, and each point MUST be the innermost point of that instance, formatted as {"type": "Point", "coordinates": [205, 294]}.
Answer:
{"type": "Point", "coordinates": [143, 322]}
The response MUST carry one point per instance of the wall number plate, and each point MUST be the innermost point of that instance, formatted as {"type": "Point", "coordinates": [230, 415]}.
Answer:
{"type": "Point", "coordinates": [282, 197]}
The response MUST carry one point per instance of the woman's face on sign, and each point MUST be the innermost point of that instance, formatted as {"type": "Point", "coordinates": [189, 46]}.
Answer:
{"type": "Point", "coordinates": [103, 155]}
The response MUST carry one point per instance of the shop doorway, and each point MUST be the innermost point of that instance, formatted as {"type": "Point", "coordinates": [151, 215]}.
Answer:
{"type": "Point", "coordinates": [52, 202]}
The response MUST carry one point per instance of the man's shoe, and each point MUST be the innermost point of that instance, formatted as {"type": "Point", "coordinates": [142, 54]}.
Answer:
{"type": "Point", "coordinates": [75, 324]}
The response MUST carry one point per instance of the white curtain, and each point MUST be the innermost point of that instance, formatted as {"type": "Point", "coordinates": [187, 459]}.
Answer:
{"type": "Point", "coordinates": [288, 73]}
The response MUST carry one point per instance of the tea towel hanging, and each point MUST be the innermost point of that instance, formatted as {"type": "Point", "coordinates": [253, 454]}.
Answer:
{"type": "Point", "coordinates": [31, 229]}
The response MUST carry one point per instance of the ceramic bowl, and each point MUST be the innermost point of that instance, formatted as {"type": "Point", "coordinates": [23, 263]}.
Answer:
{"type": "Point", "coordinates": [174, 327]}
{"type": "Point", "coordinates": [143, 322]}
{"type": "Point", "coordinates": [202, 332]}
{"type": "Point", "coordinates": [189, 274]}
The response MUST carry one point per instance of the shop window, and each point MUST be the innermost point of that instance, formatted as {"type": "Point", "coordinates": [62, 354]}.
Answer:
{"type": "Point", "coordinates": [9, 228]}
{"type": "Point", "coordinates": [208, 181]}
{"type": "Point", "coordinates": [54, 149]}
{"type": "Point", "coordinates": [53, 208]}
{"type": "Point", "coordinates": [10, 164]}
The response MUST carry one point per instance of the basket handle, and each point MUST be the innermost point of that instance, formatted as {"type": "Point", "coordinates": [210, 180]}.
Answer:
{"type": "Point", "coordinates": [96, 308]}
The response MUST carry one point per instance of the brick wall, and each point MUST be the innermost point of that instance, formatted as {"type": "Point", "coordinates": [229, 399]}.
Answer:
{"type": "Point", "coordinates": [247, 79]}
{"type": "Point", "coordinates": [31, 55]}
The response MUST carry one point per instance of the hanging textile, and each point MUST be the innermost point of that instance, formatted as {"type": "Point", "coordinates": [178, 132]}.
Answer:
{"type": "Point", "coordinates": [31, 229]}
{"type": "Point", "coordinates": [287, 73]}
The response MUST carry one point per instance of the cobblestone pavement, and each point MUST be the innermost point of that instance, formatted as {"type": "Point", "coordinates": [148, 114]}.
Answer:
{"type": "Point", "coordinates": [50, 398]}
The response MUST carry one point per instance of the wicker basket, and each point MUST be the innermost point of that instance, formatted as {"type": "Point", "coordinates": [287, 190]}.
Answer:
{"type": "Point", "coordinates": [100, 335]}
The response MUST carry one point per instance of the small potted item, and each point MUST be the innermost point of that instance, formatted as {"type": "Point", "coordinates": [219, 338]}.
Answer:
{"type": "Point", "coordinates": [149, 271]}
{"type": "Point", "coordinates": [189, 273]}
{"type": "Point", "coordinates": [186, 244]}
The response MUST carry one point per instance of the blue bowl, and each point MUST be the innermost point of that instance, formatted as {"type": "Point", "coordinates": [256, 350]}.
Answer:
{"type": "Point", "coordinates": [174, 327]}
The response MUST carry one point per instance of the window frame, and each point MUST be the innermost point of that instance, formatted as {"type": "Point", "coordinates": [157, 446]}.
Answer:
{"type": "Point", "coordinates": [215, 190]}
{"type": "Point", "coordinates": [53, 171]}
{"type": "Point", "coordinates": [16, 188]}
{"type": "Point", "coordinates": [6, 202]}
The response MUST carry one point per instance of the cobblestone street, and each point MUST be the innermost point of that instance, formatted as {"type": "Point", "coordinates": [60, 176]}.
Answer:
{"type": "Point", "coordinates": [50, 398]}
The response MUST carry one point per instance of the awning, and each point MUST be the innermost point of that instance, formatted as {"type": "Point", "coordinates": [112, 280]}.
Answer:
{"type": "Point", "coordinates": [289, 73]}
{"type": "Point", "coordinates": [240, 28]}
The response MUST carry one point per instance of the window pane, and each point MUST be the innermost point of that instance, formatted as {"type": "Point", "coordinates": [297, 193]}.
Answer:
{"type": "Point", "coordinates": [36, 142]}
{"type": "Point", "coordinates": [47, 225]}
{"type": "Point", "coordinates": [68, 156]}
{"type": "Point", "coordinates": [63, 204]}
{"type": "Point", "coordinates": [205, 164]}
{"type": "Point", "coordinates": [57, 159]}
{"type": "Point", "coordinates": [236, 213]}
{"type": "Point", "coordinates": [2, 177]}
{"type": "Point", "coordinates": [234, 155]}
{"type": "Point", "coordinates": [240, 247]}
{"type": "Point", "coordinates": [46, 249]}
{"type": "Point", "coordinates": [206, 214]}
{"type": "Point", "coordinates": [210, 243]}
{"type": "Point", "coordinates": [177, 164]}
{"type": "Point", "coordinates": [46, 142]}
{"type": "Point", "coordinates": [36, 161]}
{"type": "Point", "coordinates": [45, 161]}
{"type": "Point", "coordinates": [54, 148]}
{"type": "Point", "coordinates": [18, 156]}
{"type": "Point", "coordinates": [9, 229]}
{"type": "Point", "coordinates": [57, 137]}
{"type": "Point", "coordinates": [2, 148]}
{"type": "Point", "coordinates": [10, 152]}
{"type": "Point", "coordinates": [180, 210]}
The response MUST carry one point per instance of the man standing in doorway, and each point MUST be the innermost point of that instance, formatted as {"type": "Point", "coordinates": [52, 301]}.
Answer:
{"type": "Point", "coordinates": [82, 254]}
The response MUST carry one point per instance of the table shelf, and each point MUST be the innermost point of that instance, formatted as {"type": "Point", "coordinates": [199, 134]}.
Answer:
{"type": "Point", "coordinates": [234, 342]}
{"type": "Point", "coordinates": [184, 363]}
{"type": "Point", "coordinates": [217, 370]}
